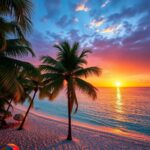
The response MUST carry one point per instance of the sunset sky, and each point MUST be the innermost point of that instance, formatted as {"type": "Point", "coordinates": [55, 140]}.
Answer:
{"type": "Point", "coordinates": [118, 32]}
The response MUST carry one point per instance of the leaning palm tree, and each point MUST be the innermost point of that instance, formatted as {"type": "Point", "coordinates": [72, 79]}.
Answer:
{"type": "Point", "coordinates": [32, 84]}
{"type": "Point", "coordinates": [68, 67]}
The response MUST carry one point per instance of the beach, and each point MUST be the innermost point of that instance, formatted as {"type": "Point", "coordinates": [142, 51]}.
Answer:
{"type": "Point", "coordinates": [74, 75]}
{"type": "Point", "coordinates": [45, 133]}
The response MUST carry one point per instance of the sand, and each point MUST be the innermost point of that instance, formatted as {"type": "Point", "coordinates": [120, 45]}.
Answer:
{"type": "Point", "coordinates": [48, 133]}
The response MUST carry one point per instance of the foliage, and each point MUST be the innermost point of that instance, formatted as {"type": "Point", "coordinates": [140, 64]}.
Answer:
{"type": "Point", "coordinates": [14, 23]}
{"type": "Point", "coordinates": [68, 67]}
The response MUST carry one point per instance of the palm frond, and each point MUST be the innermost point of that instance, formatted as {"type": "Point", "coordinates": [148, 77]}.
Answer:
{"type": "Point", "coordinates": [48, 60]}
{"type": "Point", "coordinates": [9, 69]}
{"type": "Point", "coordinates": [49, 69]}
{"type": "Point", "coordinates": [20, 9]}
{"type": "Point", "coordinates": [10, 27]}
{"type": "Point", "coordinates": [75, 48]}
{"type": "Point", "coordinates": [12, 63]}
{"type": "Point", "coordinates": [84, 53]}
{"type": "Point", "coordinates": [86, 87]}
{"type": "Point", "coordinates": [15, 48]}
{"type": "Point", "coordinates": [44, 93]}
{"type": "Point", "coordinates": [81, 58]}
{"type": "Point", "coordinates": [51, 76]}
{"type": "Point", "coordinates": [87, 72]}
{"type": "Point", "coordinates": [58, 47]}
{"type": "Point", "coordinates": [54, 87]}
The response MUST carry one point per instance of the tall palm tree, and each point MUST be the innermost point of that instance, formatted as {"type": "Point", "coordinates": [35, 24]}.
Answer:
{"type": "Point", "coordinates": [68, 67]}
{"type": "Point", "coordinates": [33, 84]}
{"type": "Point", "coordinates": [19, 22]}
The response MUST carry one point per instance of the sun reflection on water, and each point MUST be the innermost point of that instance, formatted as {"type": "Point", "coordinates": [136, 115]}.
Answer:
{"type": "Point", "coordinates": [118, 101]}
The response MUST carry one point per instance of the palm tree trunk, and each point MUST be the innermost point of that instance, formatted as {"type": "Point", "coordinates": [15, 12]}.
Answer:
{"type": "Point", "coordinates": [9, 105]}
{"type": "Point", "coordinates": [69, 137]}
{"type": "Point", "coordinates": [23, 121]}
{"type": "Point", "coordinates": [3, 118]}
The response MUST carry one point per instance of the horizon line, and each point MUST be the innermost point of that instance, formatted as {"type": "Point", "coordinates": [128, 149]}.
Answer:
{"type": "Point", "coordinates": [123, 87]}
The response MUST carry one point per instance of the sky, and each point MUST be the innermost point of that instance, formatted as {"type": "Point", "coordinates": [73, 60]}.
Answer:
{"type": "Point", "coordinates": [117, 31]}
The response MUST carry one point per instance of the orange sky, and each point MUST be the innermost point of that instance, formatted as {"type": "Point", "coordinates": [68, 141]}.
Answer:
{"type": "Point", "coordinates": [128, 74]}
{"type": "Point", "coordinates": [118, 33]}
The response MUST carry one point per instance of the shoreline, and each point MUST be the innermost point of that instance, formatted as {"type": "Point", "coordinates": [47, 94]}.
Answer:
{"type": "Point", "coordinates": [114, 131]}
{"type": "Point", "coordinates": [42, 127]}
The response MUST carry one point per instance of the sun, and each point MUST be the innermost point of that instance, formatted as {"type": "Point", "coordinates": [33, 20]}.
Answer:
{"type": "Point", "coordinates": [118, 83]}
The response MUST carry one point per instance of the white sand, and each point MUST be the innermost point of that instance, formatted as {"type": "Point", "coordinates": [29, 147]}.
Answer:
{"type": "Point", "coordinates": [48, 133]}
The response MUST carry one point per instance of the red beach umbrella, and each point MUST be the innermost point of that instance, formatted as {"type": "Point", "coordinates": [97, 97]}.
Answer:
{"type": "Point", "coordinates": [9, 147]}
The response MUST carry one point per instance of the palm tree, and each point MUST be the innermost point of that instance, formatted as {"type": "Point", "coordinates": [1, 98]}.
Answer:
{"type": "Point", "coordinates": [19, 13]}
{"type": "Point", "coordinates": [68, 67]}
{"type": "Point", "coordinates": [11, 88]}
{"type": "Point", "coordinates": [19, 10]}
{"type": "Point", "coordinates": [33, 84]}
{"type": "Point", "coordinates": [9, 66]}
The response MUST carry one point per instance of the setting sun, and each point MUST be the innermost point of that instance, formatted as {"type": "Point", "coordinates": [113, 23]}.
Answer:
{"type": "Point", "coordinates": [118, 83]}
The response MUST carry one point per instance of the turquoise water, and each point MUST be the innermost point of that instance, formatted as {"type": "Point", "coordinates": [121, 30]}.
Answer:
{"type": "Point", "coordinates": [124, 108]}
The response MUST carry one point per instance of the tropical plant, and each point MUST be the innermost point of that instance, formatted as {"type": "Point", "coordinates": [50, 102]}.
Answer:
{"type": "Point", "coordinates": [11, 89]}
{"type": "Point", "coordinates": [18, 10]}
{"type": "Point", "coordinates": [68, 68]}
{"type": "Point", "coordinates": [14, 22]}
{"type": "Point", "coordinates": [19, 21]}
{"type": "Point", "coordinates": [32, 85]}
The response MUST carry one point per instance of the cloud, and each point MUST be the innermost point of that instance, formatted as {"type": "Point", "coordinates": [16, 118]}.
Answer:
{"type": "Point", "coordinates": [74, 35]}
{"type": "Point", "coordinates": [53, 36]}
{"type": "Point", "coordinates": [132, 56]}
{"type": "Point", "coordinates": [112, 29]}
{"type": "Point", "coordinates": [76, 19]}
{"type": "Point", "coordinates": [82, 7]}
{"type": "Point", "coordinates": [129, 12]}
{"type": "Point", "coordinates": [41, 46]}
{"type": "Point", "coordinates": [64, 21]}
{"type": "Point", "coordinates": [40, 43]}
{"type": "Point", "coordinates": [105, 3]}
{"type": "Point", "coordinates": [52, 9]}
{"type": "Point", "coordinates": [126, 12]}
{"type": "Point", "coordinates": [127, 56]}
{"type": "Point", "coordinates": [96, 23]}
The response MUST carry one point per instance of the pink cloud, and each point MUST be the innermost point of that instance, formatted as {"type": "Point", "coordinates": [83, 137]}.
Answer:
{"type": "Point", "coordinates": [82, 7]}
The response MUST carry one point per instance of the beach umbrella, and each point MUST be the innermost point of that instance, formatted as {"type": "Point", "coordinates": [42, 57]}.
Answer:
{"type": "Point", "coordinates": [18, 117]}
{"type": "Point", "coordinates": [9, 147]}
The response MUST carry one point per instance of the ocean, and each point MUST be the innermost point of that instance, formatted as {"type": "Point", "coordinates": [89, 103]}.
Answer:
{"type": "Point", "coordinates": [122, 108]}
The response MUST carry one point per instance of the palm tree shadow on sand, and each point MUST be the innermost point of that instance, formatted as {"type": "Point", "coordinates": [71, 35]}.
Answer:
{"type": "Point", "coordinates": [64, 144]}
